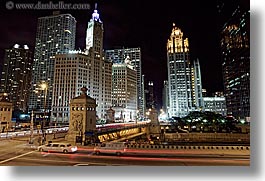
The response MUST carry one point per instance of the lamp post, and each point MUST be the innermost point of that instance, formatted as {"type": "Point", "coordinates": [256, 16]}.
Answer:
{"type": "Point", "coordinates": [44, 86]}
{"type": "Point", "coordinates": [31, 129]}
{"type": "Point", "coordinates": [0, 123]}
{"type": "Point", "coordinates": [7, 127]}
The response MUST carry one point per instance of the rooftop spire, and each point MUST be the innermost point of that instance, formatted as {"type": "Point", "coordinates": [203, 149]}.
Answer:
{"type": "Point", "coordinates": [95, 15]}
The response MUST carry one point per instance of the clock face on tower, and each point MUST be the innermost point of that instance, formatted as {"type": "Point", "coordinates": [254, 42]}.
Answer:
{"type": "Point", "coordinates": [97, 33]}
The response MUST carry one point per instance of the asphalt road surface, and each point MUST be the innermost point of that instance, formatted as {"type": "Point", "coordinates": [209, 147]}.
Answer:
{"type": "Point", "coordinates": [18, 153]}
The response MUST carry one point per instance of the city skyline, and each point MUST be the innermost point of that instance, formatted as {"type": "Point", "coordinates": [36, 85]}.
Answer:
{"type": "Point", "coordinates": [99, 72]}
{"type": "Point", "coordinates": [137, 24]}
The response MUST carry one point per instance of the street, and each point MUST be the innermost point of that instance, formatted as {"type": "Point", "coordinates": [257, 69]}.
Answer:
{"type": "Point", "coordinates": [19, 153]}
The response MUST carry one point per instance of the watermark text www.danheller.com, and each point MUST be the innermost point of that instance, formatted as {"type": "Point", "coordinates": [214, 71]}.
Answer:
{"type": "Point", "coordinates": [10, 5]}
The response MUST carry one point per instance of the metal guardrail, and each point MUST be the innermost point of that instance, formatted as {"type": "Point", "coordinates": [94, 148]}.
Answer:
{"type": "Point", "coordinates": [147, 146]}
{"type": "Point", "coordinates": [35, 132]}
{"type": "Point", "coordinates": [109, 130]}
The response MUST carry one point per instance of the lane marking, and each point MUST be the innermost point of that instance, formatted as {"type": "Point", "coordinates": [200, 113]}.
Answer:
{"type": "Point", "coordinates": [72, 162]}
{"type": "Point", "coordinates": [98, 164]}
{"type": "Point", "coordinates": [182, 161]}
{"type": "Point", "coordinates": [45, 154]}
{"type": "Point", "coordinates": [90, 154]}
{"type": "Point", "coordinates": [7, 160]}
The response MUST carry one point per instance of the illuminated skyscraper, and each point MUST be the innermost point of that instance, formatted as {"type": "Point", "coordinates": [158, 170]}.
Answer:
{"type": "Point", "coordinates": [215, 104]}
{"type": "Point", "coordinates": [16, 76]}
{"type": "Point", "coordinates": [179, 74]}
{"type": "Point", "coordinates": [101, 69]}
{"type": "Point", "coordinates": [150, 99]}
{"type": "Point", "coordinates": [134, 54]}
{"type": "Point", "coordinates": [70, 75]}
{"type": "Point", "coordinates": [55, 35]}
{"type": "Point", "coordinates": [124, 91]}
{"type": "Point", "coordinates": [165, 97]}
{"type": "Point", "coordinates": [77, 69]}
{"type": "Point", "coordinates": [196, 85]}
{"type": "Point", "coordinates": [235, 53]}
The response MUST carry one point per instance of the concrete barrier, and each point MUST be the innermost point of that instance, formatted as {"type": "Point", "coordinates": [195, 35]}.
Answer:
{"type": "Point", "coordinates": [208, 137]}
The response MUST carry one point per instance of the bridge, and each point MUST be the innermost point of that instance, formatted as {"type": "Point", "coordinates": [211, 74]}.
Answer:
{"type": "Point", "coordinates": [121, 131]}
{"type": "Point", "coordinates": [118, 132]}
{"type": "Point", "coordinates": [107, 132]}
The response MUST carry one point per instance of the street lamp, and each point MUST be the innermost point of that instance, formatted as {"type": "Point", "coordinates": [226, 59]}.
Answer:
{"type": "Point", "coordinates": [31, 129]}
{"type": "Point", "coordinates": [44, 86]}
{"type": "Point", "coordinates": [0, 123]}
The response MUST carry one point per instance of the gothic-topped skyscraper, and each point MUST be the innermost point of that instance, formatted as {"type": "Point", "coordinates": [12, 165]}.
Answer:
{"type": "Point", "coordinates": [178, 63]}
{"type": "Point", "coordinates": [184, 80]}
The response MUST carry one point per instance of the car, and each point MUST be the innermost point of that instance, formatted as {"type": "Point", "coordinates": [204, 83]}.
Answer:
{"type": "Point", "coordinates": [58, 147]}
{"type": "Point", "coordinates": [117, 148]}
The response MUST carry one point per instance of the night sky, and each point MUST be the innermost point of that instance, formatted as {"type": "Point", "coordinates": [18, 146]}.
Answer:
{"type": "Point", "coordinates": [136, 23]}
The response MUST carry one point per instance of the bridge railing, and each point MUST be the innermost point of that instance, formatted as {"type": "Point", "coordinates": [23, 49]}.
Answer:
{"type": "Point", "coordinates": [176, 147]}
{"type": "Point", "coordinates": [119, 128]}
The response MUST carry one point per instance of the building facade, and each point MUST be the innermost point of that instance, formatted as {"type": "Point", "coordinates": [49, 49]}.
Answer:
{"type": "Point", "coordinates": [196, 85]}
{"type": "Point", "coordinates": [165, 98]}
{"type": "Point", "coordinates": [72, 72]}
{"type": "Point", "coordinates": [101, 70]}
{"type": "Point", "coordinates": [150, 97]}
{"type": "Point", "coordinates": [55, 35]}
{"type": "Point", "coordinates": [204, 93]}
{"type": "Point", "coordinates": [179, 74]}
{"type": "Point", "coordinates": [70, 75]}
{"type": "Point", "coordinates": [118, 56]}
{"type": "Point", "coordinates": [124, 92]}
{"type": "Point", "coordinates": [5, 113]}
{"type": "Point", "coordinates": [235, 54]}
{"type": "Point", "coordinates": [16, 76]}
{"type": "Point", "coordinates": [215, 104]}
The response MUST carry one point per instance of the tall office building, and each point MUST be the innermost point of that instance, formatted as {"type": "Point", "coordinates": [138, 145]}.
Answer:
{"type": "Point", "coordinates": [204, 93]}
{"type": "Point", "coordinates": [165, 97]}
{"type": "Point", "coordinates": [196, 85]}
{"type": "Point", "coordinates": [124, 91]}
{"type": "Point", "coordinates": [55, 35]}
{"type": "Point", "coordinates": [16, 76]}
{"type": "Point", "coordinates": [235, 54]}
{"type": "Point", "coordinates": [150, 98]}
{"type": "Point", "coordinates": [179, 74]}
{"type": "Point", "coordinates": [134, 55]}
{"type": "Point", "coordinates": [215, 104]}
{"type": "Point", "coordinates": [78, 69]}
{"type": "Point", "coordinates": [142, 113]}
{"type": "Point", "coordinates": [100, 82]}
{"type": "Point", "coordinates": [72, 72]}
